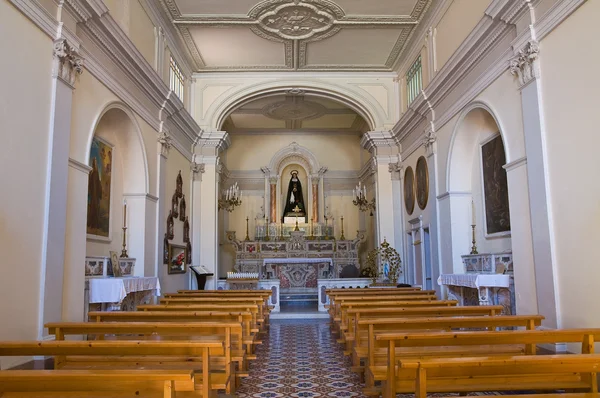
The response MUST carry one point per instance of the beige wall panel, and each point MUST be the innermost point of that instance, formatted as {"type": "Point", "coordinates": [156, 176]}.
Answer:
{"type": "Point", "coordinates": [456, 24]}
{"type": "Point", "coordinates": [571, 108]}
{"type": "Point", "coordinates": [251, 152]}
{"type": "Point", "coordinates": [24, 120]}
{"type": "Point", "coordinates": [141, 31]}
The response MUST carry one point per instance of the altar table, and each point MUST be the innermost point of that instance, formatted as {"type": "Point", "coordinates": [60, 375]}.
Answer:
{"type": "Point", "coordinates": [119, 294]}
{"type": "Point", "coordinates": [481, 282]}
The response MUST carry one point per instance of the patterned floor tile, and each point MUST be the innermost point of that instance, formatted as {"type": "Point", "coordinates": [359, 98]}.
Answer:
{"type": "Point", "coordinates": [300, 359]}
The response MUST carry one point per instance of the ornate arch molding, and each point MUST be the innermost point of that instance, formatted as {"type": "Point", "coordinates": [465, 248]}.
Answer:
{"type": "Point", "coordinates": [457, 130]}
{"type": "Point", "coordinates": [294, 153]}
{"type": "Point", "coordinates": [367, 108]}
{"type": "Point", "coordinates": [137, 133]}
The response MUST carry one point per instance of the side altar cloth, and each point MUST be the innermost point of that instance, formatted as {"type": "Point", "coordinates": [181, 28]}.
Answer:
{"type": "Point", "coordinates": [119, 294]}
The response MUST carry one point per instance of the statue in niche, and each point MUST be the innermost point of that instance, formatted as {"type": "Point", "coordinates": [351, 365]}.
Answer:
{"type": "Point", "coordinates": [188, 250]}
{"type": "Point", "coordinates": [179, 186]}
{"type": "Point", "coordinates": [182, 207]}
{"type": "Point", "coordinates": [170, 222]}
{"type": "Point", "coordinates": [186, 230]}
{"type": "Point", "coordinates": [294, 202]}
{"type": "Point", "coordinates": [175, 205]}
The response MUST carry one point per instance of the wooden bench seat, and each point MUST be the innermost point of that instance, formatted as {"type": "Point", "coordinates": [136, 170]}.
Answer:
{"type": "Point", "coordinates": [232, 352]}
{"type": "Point", "coordinates": [96, 383]}
{"type": "Point", "coordinates": [263, 308]}
{"type": "Point", "coordinates": [97, 355]}
{"type": "Point", "coordinates": [373, 352]}
{"type": "Point", "coordinates": [540, 373]}
{"type": "Point", "coordinates": [336, 301]}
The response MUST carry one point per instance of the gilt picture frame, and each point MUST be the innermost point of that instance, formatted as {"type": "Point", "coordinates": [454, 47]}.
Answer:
{"type": "Point", "coordinates": [422, 182]}
{"type": "Point", "coordinates": [100, 198]}
{"type": "Point", "coordinates": [494, 183]}
{"type": "Point", "coordinates": [178, 256]}
{"type": "Point", "coordinates": [409, 190]}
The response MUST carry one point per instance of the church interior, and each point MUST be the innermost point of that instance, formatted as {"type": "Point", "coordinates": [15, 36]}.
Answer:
{"type": "Point", "coordinates": [299, 198]}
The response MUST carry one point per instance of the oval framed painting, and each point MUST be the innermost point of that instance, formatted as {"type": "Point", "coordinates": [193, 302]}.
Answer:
{"type": "Point", "coordinates": [409, 190]}
{"type": "Point", "coordinates": [422, 180]}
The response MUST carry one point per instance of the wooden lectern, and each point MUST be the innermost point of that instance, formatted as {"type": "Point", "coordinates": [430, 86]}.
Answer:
{"type": "Point", "coordinates": [201, 274]}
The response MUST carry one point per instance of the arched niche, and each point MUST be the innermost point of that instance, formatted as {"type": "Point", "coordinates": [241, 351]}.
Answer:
{"type": "Point", "coordinates": [476, 127]}
{"type": "Point", "coordinates": [117, 128]}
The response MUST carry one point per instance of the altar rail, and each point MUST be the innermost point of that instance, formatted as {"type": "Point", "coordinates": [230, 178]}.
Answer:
{"type": "Point", "coordinates": [324, 284]}
{"type": "Point", "coordinates": [262, 284]}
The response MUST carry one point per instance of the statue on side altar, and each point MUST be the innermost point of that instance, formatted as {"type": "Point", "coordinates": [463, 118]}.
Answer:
{"type": "Point", "coordinates": [294, 198]}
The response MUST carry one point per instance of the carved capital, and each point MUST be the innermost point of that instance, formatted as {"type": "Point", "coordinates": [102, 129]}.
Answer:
{"type": "Point", "coordinates": [67, 62]}
{"type": "Point", "coordinates": [524, 65]}
{"type": "Point", "coordinates": [429, 139]}
{"type": "Point", "coordinates": [395, 170]}
{"type": "Point", "coordinates": [196, 168]}
{"type": "Point", "coordinates": [273, 180]}
{"type": "Point", "coordinates": [166, 142]}
{"type": "Point", "coordinates": [315, 179]}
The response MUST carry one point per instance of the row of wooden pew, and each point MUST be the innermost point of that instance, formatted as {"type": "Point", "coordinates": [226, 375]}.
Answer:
{"type": "Point", "coordinates": [193, 343]}
{"type": "Point", "coordinates": [405, 340]}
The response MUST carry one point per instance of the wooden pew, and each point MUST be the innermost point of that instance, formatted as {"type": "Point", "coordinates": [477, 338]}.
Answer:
{"type": "Point", "coordinates": [517, 373]}
{"type": "Point", "coordinates": [375, 352]}
{"type": "Point", "coordinates": [245, 318]}
{"type": "Point", "coordinates": [93, 383]}
{"type": "Point", "coordinates": [229, 332]}
{"type": "Point", "coordinates": [360, 329]}
{"type": "Point", "coordinates": [184, 356]}
{"type": "Point", "coordinates": [402, 346]}
{"type": "Point", "coordinates": [252, 308]}
{"type": "Point", "coordinates": [341, 320]}
{"type": "Point", "coordinates": [336, 300]}
{"type": "Point", "coordinates": [263, 309]}
{"type": "Point", "coordinates": [371, 289]}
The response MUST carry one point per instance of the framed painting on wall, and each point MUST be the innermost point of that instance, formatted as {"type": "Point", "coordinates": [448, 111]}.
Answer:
{"type": "Point", "coordinates": [99, 190]}
{"type": "Point", "coordinates": [422, 179]}
{"type": "Point", "coordinates": [495, 188]}
{"type": "Point", "coordinates": [409, 190]}
{"type": "Point", "coordinates": [178, 256]}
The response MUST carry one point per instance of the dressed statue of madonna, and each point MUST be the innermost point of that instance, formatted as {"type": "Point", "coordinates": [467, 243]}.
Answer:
{"type": "Point", "coordinates": [294, 198]}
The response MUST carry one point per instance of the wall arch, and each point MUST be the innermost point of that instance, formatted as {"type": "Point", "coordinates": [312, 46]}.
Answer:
{"type": "Point", "coordinates": [369, 110]}
{"type": "Point", "coordinates": [129, 137]}
{"type": "Point", "coordinates": [474, 119]}
{"type": "Point", "coordinates": [294, 153]}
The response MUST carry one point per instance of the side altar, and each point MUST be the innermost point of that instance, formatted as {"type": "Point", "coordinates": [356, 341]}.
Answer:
{"type": "Point", "coordinates": [298, 261]}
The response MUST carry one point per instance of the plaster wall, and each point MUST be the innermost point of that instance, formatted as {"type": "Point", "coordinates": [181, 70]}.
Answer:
{"type": "Point", "coordinates": [456, 24]}
{"type": "Point", "coordinates": [175, 163]}
{"type": "Point", "coordinates": [24, 123]}
{"type": "Point", "coordinates": [570, 119]}
{"type": "Point", "coordinates": [141, 31]}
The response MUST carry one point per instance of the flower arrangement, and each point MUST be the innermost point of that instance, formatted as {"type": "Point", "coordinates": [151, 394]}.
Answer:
{"type": "Point", "coordinates": [391, 260]}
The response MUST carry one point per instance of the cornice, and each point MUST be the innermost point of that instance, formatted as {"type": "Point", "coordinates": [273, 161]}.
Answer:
{"type": "Point", "coordinates": [84, 168]}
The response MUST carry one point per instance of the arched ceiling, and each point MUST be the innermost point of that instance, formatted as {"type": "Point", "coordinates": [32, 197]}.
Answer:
{"type": "Point", "coordinates": [292, 113]}
{"type": "Point", "coordinates": [309, 35]}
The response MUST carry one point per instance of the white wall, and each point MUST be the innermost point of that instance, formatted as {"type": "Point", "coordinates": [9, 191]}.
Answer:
{"type": "Point", "coordinates": [570, 88]}
{"type": "Point", "coordinates": [24, 125]}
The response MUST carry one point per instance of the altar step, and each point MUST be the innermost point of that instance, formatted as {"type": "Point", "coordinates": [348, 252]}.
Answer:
{"type": "Point", "coordinates": [291, 301]}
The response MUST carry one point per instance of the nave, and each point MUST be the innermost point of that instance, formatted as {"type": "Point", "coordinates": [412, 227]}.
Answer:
{"type": "Point", "coordinates": [300, 358]}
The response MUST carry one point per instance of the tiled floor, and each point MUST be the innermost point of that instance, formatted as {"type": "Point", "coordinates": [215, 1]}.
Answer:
{"type": "Point", "coordinates": [300, 358]}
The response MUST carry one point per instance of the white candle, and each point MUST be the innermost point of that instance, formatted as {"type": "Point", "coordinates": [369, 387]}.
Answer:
{"type": "Point", "coordinates": [473, 213]}
{"type": "Point", "coordinates": [124, 213]}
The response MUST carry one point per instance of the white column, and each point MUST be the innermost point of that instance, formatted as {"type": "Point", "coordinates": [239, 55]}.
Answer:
{"type": "Point", "coordinates": [141, 231]}
{"type": "Point", "coordinates": [195, 213]}
{"type": "Point", "coordinates": [207, 245]}
{"type": "Point", "coordinates": [385, 201]}
{"type": "Point", "coordinates": [430, 143]}
{"type": "Point", "coordinates": [455, 230]}
{"type": "Point", "coordinates": [67, 64]}
{"type": "Point", "coordinates": [525, 67]}
{"type": "Point", "coordinates": [396, 171]}
{"type": "Point", "coordinates": [521, 238]}
{"type": "Point", "coordinates": [164, 145]}
{"type": "Point", "coordinates": [75, 242]}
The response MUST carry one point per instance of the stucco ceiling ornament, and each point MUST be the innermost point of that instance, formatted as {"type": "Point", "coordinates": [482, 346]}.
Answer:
{"type": "Point", "coordinates": [294, 110]}
{"type": "Point", "coordinates": [524, 64]}
{"type": "Point", "coordinates": [297, 20]}
{"type": "Point", "coordinates": [68, 62]}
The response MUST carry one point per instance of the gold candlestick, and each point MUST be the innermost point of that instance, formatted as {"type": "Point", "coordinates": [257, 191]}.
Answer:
{"type": "Point", "coordinates": [474, 248]}
{"type": "Point", "coordinates": [326, 230]}
{"type": "Point", "coordinates": [342, 237]}
{"type": "Point", "coordinates": [312, 230]}
{"type": "Point", "coordinates": [281, 231]}
{"type": "Point", "coordinates": [247, 236]}
{"type": "Point", "coordinates": [296, 229]}
{"type": "Point", "coordinates": [124, 251]}
{"type": "Point", "coordinates": [267, 238]}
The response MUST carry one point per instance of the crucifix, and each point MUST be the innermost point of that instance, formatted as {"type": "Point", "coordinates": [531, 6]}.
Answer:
{"type": "Point", "coordinates": [296, 210]}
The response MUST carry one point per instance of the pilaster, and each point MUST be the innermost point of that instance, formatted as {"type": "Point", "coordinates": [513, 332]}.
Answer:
{"type": "Point", "coordinates": [525, 66]}
{"type": "Point", "coordinates": [67, 66]}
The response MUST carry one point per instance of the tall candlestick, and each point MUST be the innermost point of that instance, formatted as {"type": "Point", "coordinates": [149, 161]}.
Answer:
{"type": "Point", "coordinates": [124, 213]}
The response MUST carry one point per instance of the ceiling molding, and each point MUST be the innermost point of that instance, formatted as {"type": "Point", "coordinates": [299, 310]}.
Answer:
{"type": "Point", "coordinates": [297, 24]}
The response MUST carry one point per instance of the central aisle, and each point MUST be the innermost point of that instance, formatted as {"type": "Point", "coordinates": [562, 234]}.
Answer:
{"type": "Point", "coordinates": [300, 358]}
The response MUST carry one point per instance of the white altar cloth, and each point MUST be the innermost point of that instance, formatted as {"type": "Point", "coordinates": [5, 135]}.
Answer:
{"type": "Point", "coordinates": [475, 281]}
{"type": "Point", "coordinates": [114, 290]}
{"type": "Point", "coordinates": [297, 260]}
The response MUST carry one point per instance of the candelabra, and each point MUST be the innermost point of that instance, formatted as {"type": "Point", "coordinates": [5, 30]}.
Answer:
{"type": "Point", "coordinates": [231, 198]}
{"type": "Point", "coordinates": [474, 248]}
{"type": "Point", "coordinates": [342, 237]}
{"type": "Point", "coordinates": [360, 198]}
{"type": "Point", "coordinates": [247, 239]}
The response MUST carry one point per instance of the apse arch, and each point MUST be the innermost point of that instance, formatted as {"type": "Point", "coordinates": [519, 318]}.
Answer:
{"type": "Point", "coordinates": [474, 119]}
{"type": "Point", "coordinates": [369, 110]}
{"type": "Point", "coordinates": [129, 138]}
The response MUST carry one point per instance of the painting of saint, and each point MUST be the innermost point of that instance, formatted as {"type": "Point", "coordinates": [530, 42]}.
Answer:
{"type": "Point", "coordinates": [422, 180]}
{"type": "Point", "coordinates": [495, 186]}
{"type": "Point", "coordinates": [409, 190]}
{"type": "Point", "coordinates": [99, 189]}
